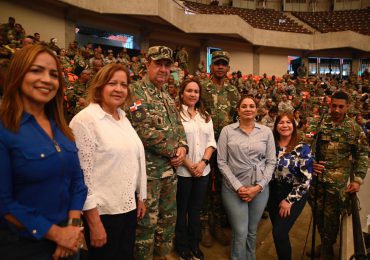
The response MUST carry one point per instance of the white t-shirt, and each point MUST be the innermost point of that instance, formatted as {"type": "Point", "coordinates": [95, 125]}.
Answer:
{"type": "Point", "coordinates": [112, 159]}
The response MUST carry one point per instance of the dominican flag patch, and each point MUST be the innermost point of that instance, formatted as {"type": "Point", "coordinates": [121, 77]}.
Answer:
{"type": "Point", "coordinates": [136, 105]}
{"type": "Point", "coordinates": [137, 111]}
{"type": "Point", "coordinates": [310, 134]}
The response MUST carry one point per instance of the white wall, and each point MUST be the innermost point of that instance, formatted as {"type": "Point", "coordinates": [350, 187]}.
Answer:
{"type": "Point", "coordinates": [48, 22]}
{"type": "Point", "coordinates": [241, 54]}
{"type": "Point", "coordinates": [273, 64]}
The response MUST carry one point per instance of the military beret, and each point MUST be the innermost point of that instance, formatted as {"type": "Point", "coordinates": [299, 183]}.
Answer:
{"type": "Point", "coordinates": [220, 55]}
{"type": "Point", "coordinates": [160, 52]}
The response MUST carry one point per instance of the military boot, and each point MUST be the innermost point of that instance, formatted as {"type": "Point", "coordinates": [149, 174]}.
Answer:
{"type": "Point", "coordinates": [207, 240]}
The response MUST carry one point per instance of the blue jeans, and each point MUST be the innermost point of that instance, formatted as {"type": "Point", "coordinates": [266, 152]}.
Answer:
{"type": "Point", "coordinates": [244, 218]}
{"type": "Point", "coordinates": [190, 196]}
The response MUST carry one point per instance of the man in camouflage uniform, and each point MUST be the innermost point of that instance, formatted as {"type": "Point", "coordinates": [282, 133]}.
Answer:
{"type": "Point", "coordinates": [182, 57]}
{"type": "Point", "coordinates": [285, 105]}
{"type": "Point", "coordinates": [136, 67]}
{"type": "Point", "coordinates": [269, 119]}
{"type": "Point", "coordinates": [220, 99]}
{"type": "Point", "coordinates": [125, 56]}
{"type": "Point", "coordinates": [249, 84]}
{"type": "Point", "coordinates": [76, 94]}
{"type": "Point", "coordinates": [340, 139]}
{"type": "Point", "coordinates": [157, 122]}
{"type": "Point", "coordinates": [72, 50]}
{"type": "Point", "coordinates": [304, 103]}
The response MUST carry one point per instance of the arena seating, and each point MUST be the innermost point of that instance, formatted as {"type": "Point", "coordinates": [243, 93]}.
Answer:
{"type": "Point", "coordinates": [267, 19]}
{"type": "Point", "coordinates": [334, 21]}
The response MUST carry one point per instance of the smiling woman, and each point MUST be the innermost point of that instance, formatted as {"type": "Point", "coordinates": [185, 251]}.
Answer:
{"type": "Point", "coordinates": [193, 176]}
{"type": "Point", "coordinates": [41, 83]}
{"type": "Point", "coordinates": [113, 161]}
{"type": "Point", "coordinates": [42, 187]}
{"type": "Point", "coordinates": [290, 182]}
{"type": "Point", "coordinates": [246, 158]}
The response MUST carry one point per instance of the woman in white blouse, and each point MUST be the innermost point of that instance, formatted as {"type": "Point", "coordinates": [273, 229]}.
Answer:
{"type": "Point", "coordinates": [193, 176]}
{"type": "Point", "coordinates": [112, 159]}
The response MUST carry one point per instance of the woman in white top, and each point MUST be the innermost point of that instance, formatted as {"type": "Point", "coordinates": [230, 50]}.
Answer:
{"type": "Point", "coordinates": [193, 175]}
{"type": "Point", "coordinates": [112, 159]}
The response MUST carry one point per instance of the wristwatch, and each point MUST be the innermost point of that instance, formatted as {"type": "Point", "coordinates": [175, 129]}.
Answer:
{"type": "Point", "coordinates": [76, 222]}
{"type": "Point", "coordinates": [206, 161]}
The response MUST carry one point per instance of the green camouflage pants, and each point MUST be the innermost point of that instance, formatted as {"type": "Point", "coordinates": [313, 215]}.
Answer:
{"type": "Point", "coordinates": [329, 208]}
{"type": "Point", "coordinates": [213, 210]}
{"type": "Point", "coordinates": [155, 231]}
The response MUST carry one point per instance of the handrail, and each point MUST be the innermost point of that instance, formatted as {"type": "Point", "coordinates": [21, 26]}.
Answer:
{"type": "Point", "coordinates": [358, 239]}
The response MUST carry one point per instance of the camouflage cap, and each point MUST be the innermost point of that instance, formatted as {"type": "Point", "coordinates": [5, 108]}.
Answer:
{"type": "Point", "coordinates": [160, 52]}
{"type": "Point", "coordinates": [220, 55]}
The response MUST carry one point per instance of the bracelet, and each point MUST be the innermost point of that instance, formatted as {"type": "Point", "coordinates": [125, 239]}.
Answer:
{"type": "Point", "coordinates": [76, 222]}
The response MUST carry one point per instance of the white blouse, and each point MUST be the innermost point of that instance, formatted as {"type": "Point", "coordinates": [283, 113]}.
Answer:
{"type": "Point", "coordinates": [112, 159]}
{"type": "Point", "coordinates": [200, 135]}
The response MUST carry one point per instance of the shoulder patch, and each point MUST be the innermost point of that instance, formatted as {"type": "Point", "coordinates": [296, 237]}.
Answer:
{"type": "Point", "coordinates": [137, 111]}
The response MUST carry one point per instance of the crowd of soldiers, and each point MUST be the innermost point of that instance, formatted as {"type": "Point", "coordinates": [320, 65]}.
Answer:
{"type": "Point", "coordinates": [304, 96]}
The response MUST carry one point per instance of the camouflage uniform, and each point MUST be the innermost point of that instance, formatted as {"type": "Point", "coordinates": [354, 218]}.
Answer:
{"type": "Point", "coordinates": [73, 94]}
{"type": "Point", "coordinates": [336, 145]}
{"type": "Point", "coordinates": [305, 106]}
{"type": "Point", "coordinates": [65, 62]}
{"type": "Point", "coordinates": [286, 107]}
{"type": "Point", "coordinates": [159, 127]}
{"type": "Point", "coordinates": [71, 53]}
{"type": "Point", "coordinates": [135, 67]}
{"type": "Point", "coordinates": [126, 57]}
{"type": "Point", "coordinates": [221, 105]}
{"type": "Point", "coordinates": [268, 121]}
{"type": "Point", "coordinates": [182, 57]}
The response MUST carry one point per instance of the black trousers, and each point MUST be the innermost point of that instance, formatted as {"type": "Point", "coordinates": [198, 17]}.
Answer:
{"type": "Point", "coordinates": [190, 196]}
{"type": "Point", "coordinates": [14, 247]}
{"type": "Point", "coordinates": [281, 226]}
{"type": "Point", "coordinates": [120, 229]}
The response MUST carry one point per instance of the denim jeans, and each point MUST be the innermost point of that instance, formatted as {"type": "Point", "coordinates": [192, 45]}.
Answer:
{"type": "Point", "coordinates": [244, 218]}
{"type": "Point", "coordinates": [281, 226]}
{"type": "Point", "coordinates": [190, 196]}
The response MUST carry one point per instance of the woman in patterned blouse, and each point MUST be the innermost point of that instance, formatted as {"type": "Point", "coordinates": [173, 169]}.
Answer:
{"type": "Point", "coordinates": [290, 182]}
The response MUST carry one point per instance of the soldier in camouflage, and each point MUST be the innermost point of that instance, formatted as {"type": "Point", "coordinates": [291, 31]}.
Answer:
{"type": "Point", "coordinates": [340, 139]}
{"type": "Point", "coordinates": [76, 94]}
{"type": "Point", "coordinates": [220, 98]}
{"type": "Point", "coordinates": [157, 122]}
{"type": "Point", "coordinates": [182, 57]}
{"type": "Point", "coordinates": [269, 119]}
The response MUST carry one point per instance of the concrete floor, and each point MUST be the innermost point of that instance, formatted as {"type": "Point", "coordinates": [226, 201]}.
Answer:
{"type": "Point", "coordinates": [298, 234]}
{"type": "Point", "coordinates": [265, 243]}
